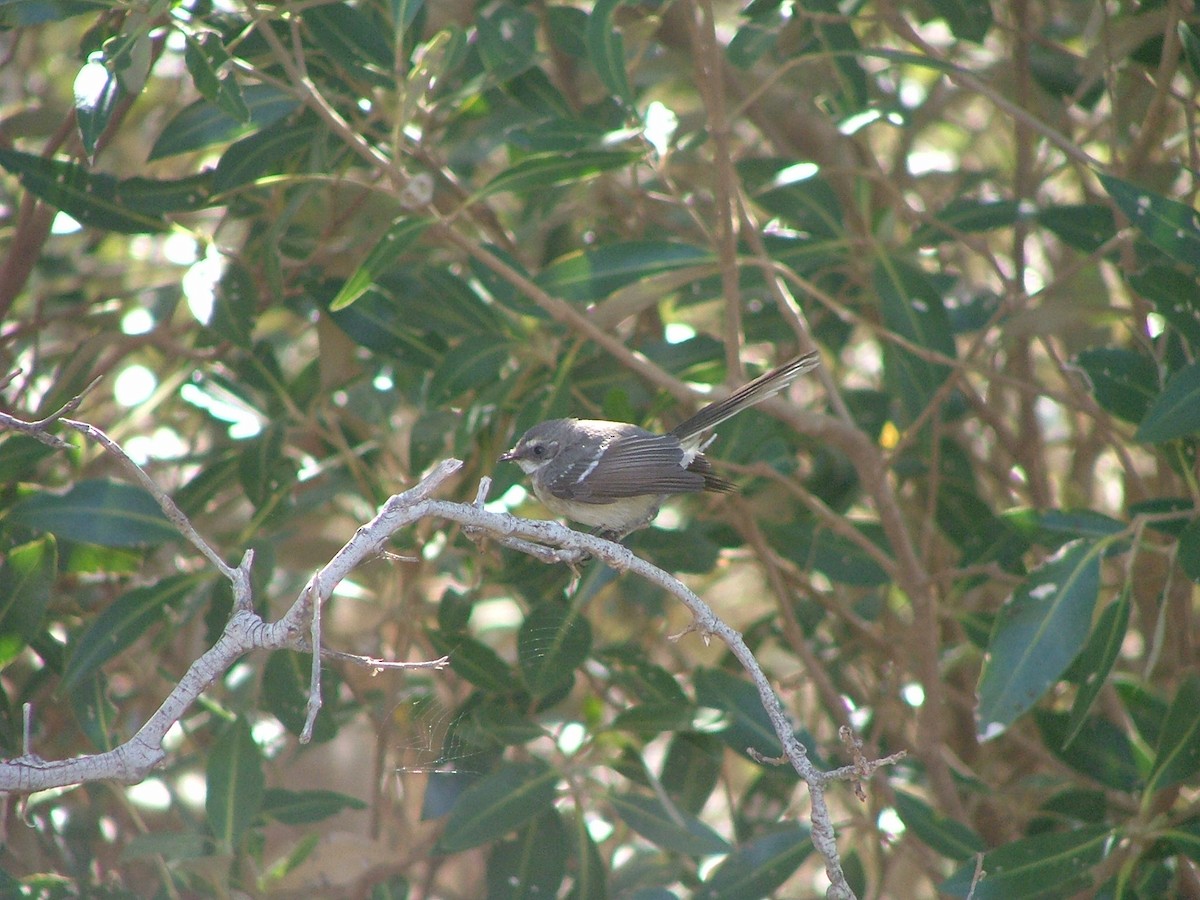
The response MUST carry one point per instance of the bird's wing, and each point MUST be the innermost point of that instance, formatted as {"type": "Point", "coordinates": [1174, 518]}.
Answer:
{"type": "Point", "coordinates": [630, 466]}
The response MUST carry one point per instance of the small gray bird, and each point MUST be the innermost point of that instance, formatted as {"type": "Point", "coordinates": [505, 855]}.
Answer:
{"type": "Point", "coordinates": [613, 476]}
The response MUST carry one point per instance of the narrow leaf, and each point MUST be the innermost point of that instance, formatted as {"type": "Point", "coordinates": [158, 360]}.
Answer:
{"type": "Point", "coordinates": [97, 92]}
{"type": "Point", "coordinates": [553, 169]}
{"type": "Point", "coordinates": [1171, 226]}
{"type": "Point", "coordinates": [235, 784]}
{"type": "Point", "coordinates": [1097, 659]}
{"type": "Point", "coordinates": [26, 576]}
{"type": "Point", "coordinates": [1054, 864]}
{"type": "Point", "coordinates": [403, 233]}
{"type": "Point", "coordinates": [1177, 756]}
{"type": "Point", "coordinates": [913, 309]}
{"type": "Point", "coordinates": [1175, 413]}
{"type": "Point", "coordinates": [507, 41]}
{"type": "Point", "coordinates": [1038, 632]}
{"type": "Point", "coordinates": [89, 198]}
{"type": "Point", "coordinates": [109, 513]}
{"type": "Point", "coordinates": [129, 617]}
{"type": "Point", "coordinates": [498, 804]}
{"type": "Point", "coordinates": [759, 866]}
{"type": "Point", "coordinates": [204, 123]}
{"type": "Point", "coordinates": [606, 49]}
{"type": "Point", "coordinates": [305, 807]}
{"type": "Point", "coordinates": [261, 154]}
{"type": "Point", "coordinates": [553, 642]}
{"type": "Point", "coordinates": [532, 863]}
{"type": "Point", "coordinates": [209, 64]}
{"type": "Point", "coordinates": [944, 835]}
{"type": "Point", "coordinates": [671, 830]}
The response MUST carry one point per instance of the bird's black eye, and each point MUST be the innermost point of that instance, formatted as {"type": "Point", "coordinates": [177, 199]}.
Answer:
{"type": "Point", "coordinates": [537, 450]}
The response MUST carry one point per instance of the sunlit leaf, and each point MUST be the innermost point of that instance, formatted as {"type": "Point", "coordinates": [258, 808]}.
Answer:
{"type": "Point", "coordinates": [553, 169]}
{"type": "Point", "coordinates": [606, 49]}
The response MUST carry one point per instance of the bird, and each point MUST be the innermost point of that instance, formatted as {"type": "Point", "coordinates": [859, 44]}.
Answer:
{"type": "Point", "coordinates": [614, 476]}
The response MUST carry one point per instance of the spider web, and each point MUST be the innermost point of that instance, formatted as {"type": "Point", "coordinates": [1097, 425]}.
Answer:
{"type": "Point", "coordinates": [438, 735]}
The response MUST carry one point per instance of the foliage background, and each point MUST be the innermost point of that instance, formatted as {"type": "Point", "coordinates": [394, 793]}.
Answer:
{"type": "Point", "coordinates": [319, 245]}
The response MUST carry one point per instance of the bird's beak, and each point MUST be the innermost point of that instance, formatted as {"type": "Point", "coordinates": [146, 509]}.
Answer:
{"type": "Point", "coordinates": [508, 455]}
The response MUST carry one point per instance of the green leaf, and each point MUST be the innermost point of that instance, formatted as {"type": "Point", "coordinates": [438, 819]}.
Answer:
{"type": "Point", "coordinates": [1096, 660]}
{"type": "Point", "coordinates": [95, 713]}
{"type": "Point", "coordinates": [746, 722]}
{"type": "Point", "coordinates": [969, 20]}
{"type": "Point", "coordinates": [500, 803]}
{"type": "Point", "coordinates": [109, 513]}
{"type": "Point", "coordinates": [27, 575]}
{"type": "Point", "coordinates": [913, 309]}
{"type": "Point", "coordinates": [451, 306]}
{"type": "Point", "coordinates": [234, 784]}
{"type": "Point", "coordinates": [653, 718]}
{"type": "Point", "coordinates": [91, 199]}
{"type": "Point", "coordinates": [129, 617]}
{"type": "Point", "coordinates": [305, 807]}
{"type": "Point", "coordinates": [209, 64]}
{"type": "Point", "coordinates": [1175, 413]}
{"type": "Point", "coordinates": [752, 42]}
{"type": "Point", "coordinates": [1084, 226]}
{"type": "Point", "coordinates": [155, 197]}
{"type": "Point", "coordinates": [1038, 632]}
{"type": "Point", "coordinates": [1177, 756]}
{"type": "Point", "coordinates": [1102, 752]}
{"type": "Point", "coordinates": [204, 123]}
{"type": "Point", "coordinates": [1191, 48]}
{"type": "Point", "coordinates": [544, 170]}
{"type": "Point", "coordinates": [828, 33]}
{"type": "Point", "coordinates": [691, 769]}
{"type": "Point", "coordinates": [403, 233]}
{"type": "Point", "coordinates": [671, 830]}
{"type": "Point", "coordinates": [1188, 553]}
{"type": "Point", "coordinates": [944, 835]}
{"type": "Point", "coordinates": [507, 40]}
{"type": "Point", "coordinates": [261, 154]}
{"type": "Point", "coordinates": [588, 275]}
{"type": "Point", "coordinates": [1124, 382]}
{"type": "Point", "coordinates": [798, 193]}
{"type": "Point", "coordinates": [759, 866]}
{"type": "Point", "coordinates": [1046, 865]}
{"type": "Point", "coordinates": [470, 366]}
{"type": "Point", "coordinates": [353, 39]}
{"type": "Point", "coordinates": [286, 681]}
{"type": "Point", "coordinates": [97, 93]}
{"type": "Point", "coordinates": [1169, 225]}
{"type": "Point", "coordinates": [588, 868]}
{"type": "Point", "coordinates": [1176, 297]}
{"type": "Point", "coordinates": [532, 863]}
{"type": "Point", "coordinates": [553, 642]}
{"type": "Point", "coordinates": [475, 661]}
{"type": "Point", "coordinates": [968, 215]}
{"type": "Point", "coordinates": [170, 845]}
{"type": "Point", "coordinates": [377, 321]}
{"type": "Point", "coordinates": [606, 50]}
